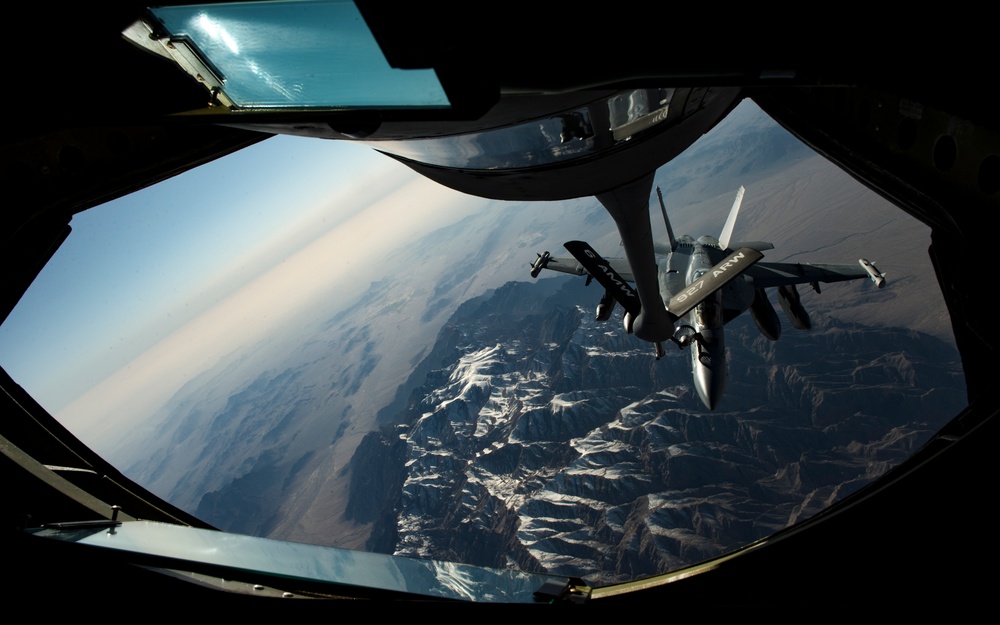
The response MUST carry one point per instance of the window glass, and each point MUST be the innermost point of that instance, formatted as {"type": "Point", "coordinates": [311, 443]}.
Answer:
{"type": "Point", "coordinates": [307, 341]}
{"type": "Point", "coordinates": [297, 54]}
{"type": "Point", "coordinates": [602, 125]}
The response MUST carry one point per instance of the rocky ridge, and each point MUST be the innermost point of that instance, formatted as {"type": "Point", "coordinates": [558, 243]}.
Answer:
{"type": "Point", "coordinates": [546, 441]}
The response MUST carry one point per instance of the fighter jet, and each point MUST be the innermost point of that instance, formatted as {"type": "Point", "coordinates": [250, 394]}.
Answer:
{"type": "Point", "coordinates": [703, 284]}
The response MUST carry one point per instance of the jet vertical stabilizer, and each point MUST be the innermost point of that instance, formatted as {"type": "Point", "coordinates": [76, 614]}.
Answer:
{"type": "Point", "coordinates": [666, 222]}
{"type": "Point", "coordinates": [727, 230]}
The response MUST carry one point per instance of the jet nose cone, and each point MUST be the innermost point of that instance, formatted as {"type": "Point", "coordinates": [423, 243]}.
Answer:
{"type": "Point", "coordinates": [710, 390]}
{"type": "Point", "coordinates": [709, 370]}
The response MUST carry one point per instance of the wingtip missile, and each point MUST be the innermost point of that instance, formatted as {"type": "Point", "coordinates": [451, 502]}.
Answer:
{"type": "Point", "coordinates": [877, 277]}
{"type": "Point", "coordinates": [539, 264]}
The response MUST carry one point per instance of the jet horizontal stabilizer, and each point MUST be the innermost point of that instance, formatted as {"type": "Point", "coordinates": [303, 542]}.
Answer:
{"type": "Point", "coordinates": [760, 246]}
{"type": "Point", "coordinates": [712, 280]}
{"type": "Point", "coordinates": [602, 271]}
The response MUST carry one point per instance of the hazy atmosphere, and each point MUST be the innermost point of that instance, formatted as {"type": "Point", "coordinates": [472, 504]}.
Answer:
{"type": "Point", "coordinates": [257, 318]}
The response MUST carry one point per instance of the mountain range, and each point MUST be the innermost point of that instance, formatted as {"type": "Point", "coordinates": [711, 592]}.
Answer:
{"type": "Point", "coordinates": [548, 441]}
{"type": "Point", "coordinates": [452, 411]}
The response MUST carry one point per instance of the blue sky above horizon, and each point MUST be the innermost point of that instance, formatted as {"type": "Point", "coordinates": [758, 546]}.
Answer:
{"type": "Point", "coordinates": [156, 286]}
{"type": "Point", "coordinates": [137, 268]}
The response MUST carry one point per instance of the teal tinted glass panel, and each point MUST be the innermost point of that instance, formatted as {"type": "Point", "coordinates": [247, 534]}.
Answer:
{"type": "Point", "coordinates": [298, 54]}
{"type": "Point", "coordinates": [430, 578]}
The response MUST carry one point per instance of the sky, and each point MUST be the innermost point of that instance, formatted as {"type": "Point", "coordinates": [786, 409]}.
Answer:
{"type": "Point", "coordinates": [156, 287]}
{"type": "Point", "coordinates": [137, 270]}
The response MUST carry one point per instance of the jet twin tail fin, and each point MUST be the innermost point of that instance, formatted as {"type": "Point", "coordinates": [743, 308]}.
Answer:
{"type": "Point", "coordinates": [666, 222]}
{"type": "Point", "coordinates": [727, 230]}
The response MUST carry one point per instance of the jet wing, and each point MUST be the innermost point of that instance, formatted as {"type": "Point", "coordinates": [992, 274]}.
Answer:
{"type": "Point", "coordinates": [565, 265]}
{"type": "Point", "coordinates": [778, 274]}
{"type": "Point", "coordinates": [573, 266]}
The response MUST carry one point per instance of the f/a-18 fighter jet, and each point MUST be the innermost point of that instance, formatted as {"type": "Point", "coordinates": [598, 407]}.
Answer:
{"type": "Point", "coordinates": [688, 289]}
